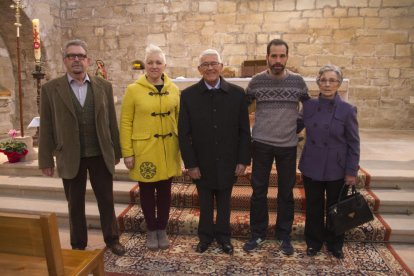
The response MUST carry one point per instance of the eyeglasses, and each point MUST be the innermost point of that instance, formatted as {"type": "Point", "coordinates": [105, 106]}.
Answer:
{"type": "Point", "coordinates": [324, 81]}
{"type": "Point", "coordinates": [74, 56]}
{"type": "Point", "coordinates": [206, 65]}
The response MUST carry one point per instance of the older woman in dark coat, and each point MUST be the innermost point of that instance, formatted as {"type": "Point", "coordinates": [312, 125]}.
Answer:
{"type": "Point", "coordinates": [329, 159]}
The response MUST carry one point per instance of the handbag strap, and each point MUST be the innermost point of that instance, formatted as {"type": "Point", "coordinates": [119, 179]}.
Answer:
{"type": "Point", "coordinates": [341, 195]}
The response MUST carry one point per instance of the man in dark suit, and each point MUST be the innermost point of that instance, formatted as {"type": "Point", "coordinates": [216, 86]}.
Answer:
{"type": "Point", "coordinates": [79, 127]}
{"type": "Point", "coordinates": [214, 137]}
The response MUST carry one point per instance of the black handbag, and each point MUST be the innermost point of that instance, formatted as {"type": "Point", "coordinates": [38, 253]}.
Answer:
{"type": "Point", "coordinates": [349, 212]}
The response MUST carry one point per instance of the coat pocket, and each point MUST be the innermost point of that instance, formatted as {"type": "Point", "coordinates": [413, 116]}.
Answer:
{"type": "Point", "coordinates": [141, 143]}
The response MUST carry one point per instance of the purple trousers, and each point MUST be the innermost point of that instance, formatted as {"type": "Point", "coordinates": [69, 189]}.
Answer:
{"type": "Point", "coordinates": [155, 200]}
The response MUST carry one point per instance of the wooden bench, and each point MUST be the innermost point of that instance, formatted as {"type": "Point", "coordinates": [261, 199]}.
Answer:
{"type": "Point", "coordinates": [30, 245]}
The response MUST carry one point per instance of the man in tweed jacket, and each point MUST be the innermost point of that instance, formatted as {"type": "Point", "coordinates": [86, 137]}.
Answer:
{"type": "Point", "coordinates": [79, 127]}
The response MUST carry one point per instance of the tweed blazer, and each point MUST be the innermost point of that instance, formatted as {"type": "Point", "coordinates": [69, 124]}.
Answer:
{"type": "Point", "coordinates": [332, 147]}
{"type": "Point", "coordinates": [59, 128]}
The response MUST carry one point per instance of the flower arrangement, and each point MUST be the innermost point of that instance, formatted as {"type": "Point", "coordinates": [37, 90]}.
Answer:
{"type": "Point", "coordinates": [14, 149]}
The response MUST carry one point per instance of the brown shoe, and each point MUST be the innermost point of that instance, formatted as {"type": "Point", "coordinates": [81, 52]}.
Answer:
{"type": "Point", "coordinates": [117, 248]}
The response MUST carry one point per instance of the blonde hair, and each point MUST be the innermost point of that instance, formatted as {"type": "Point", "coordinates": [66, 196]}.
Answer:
{"type": "Point", "coordinates": [154, 49]}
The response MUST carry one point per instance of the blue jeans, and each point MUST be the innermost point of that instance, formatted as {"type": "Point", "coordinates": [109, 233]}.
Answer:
{"type": "Point", "coordinates": [263, 158]}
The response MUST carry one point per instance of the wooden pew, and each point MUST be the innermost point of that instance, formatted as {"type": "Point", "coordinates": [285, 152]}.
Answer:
{"type": "Point", "coordinates": [30, 245]}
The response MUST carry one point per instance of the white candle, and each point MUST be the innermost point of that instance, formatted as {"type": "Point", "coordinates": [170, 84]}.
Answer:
{"type": "Point", "coordinates": [36, 39]}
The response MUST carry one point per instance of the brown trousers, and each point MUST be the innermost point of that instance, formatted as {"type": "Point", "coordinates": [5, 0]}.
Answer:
{"type": "Point", "coordinates": [102, 185]}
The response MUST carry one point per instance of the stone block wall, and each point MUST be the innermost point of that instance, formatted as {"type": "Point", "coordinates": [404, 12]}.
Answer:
{"type": "Point", "coordinates": [371, 40]}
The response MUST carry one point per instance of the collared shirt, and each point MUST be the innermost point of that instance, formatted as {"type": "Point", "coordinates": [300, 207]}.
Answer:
{"type": "Point", "coordinates": [79, 90]}
{"type": "Point", "coordinates": [217, 86]}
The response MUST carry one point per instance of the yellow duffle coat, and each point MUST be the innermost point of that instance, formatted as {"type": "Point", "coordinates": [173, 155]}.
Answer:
{"type": "Point", "coordinates": [148, 130]}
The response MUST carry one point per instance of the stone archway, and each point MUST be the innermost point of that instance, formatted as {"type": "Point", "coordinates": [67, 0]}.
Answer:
{"type": "Point", "coordinates": [8, 35]}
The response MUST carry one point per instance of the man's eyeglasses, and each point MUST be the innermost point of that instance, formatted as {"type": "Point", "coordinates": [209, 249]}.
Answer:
{"type": "Point", "coordinates": [74, 56]}
{"type": "Point", "coordinates": [206, 65]}
{"type": "Point", "coordinates": [324, 81]}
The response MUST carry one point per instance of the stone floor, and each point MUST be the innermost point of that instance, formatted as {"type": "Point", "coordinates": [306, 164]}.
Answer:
{"type": "Point", "coordinates": [382, 151]}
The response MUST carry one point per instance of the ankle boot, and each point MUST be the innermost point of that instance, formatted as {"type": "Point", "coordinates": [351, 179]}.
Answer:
{"type": "Point", "coordinates": [163, 241]}
{"type": "Point", "coordinates": [152, 240]}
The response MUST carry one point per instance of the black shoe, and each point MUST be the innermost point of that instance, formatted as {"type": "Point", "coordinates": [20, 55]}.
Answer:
{"type": "Point", "coordinates": [117, 248]}
{"type": "Point", "coordinates": [227, 247]}
{"type": "Point", "coordinates": [337, 253]}
{"type": "Point", "coordinates": [202, 246]}
{"type": "Point", "coordinates": [310, 251]}
{"type": "Point", "coordinates": [253, 244]}
{"type": "Point", "coordinates": [286, 247]}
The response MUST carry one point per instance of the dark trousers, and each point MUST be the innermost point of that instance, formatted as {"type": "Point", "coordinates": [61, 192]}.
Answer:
{"type": "Point", "coordinates": [101, 182]}
{"type": "Point", "coordinates": [207, 229]}
{"type": "Point", "coordinates": [263, 156]}
{"type": "Point", "coordinates": [316, 231]}
{"type": "Point", "coordinates": [155, 200]}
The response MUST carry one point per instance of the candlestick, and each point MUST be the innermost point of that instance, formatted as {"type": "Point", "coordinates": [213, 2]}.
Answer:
{"type": "Point", "coordinates": [17, 6]}
{"type": "Point", "coordinates": [36, 39]}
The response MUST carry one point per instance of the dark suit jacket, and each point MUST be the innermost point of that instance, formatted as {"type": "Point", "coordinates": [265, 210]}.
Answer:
{"type": "Point", "coordinates": [59, 131]}
{"type": "Point", "coordinates": [214, 132]}
{"type": "Point", "coordinates": [332, 141]}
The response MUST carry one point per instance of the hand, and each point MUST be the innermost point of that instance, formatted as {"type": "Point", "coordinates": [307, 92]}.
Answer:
{"type": "Point", "coordinates": [350, 180]}
{"type": "Point", "coordinates": [194, 173]}
{"type": "Point", "coordinates": [240, 169]}
{"type": "Point", "coordinates": [48, 171]}
{"type": "Point", "coordinates": [129, 162]}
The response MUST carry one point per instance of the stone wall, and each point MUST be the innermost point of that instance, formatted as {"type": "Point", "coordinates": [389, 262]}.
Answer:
{"type": "Point", "coordinates": [6, 90]}
{"type": "Point", "coordinates": [371, 40]}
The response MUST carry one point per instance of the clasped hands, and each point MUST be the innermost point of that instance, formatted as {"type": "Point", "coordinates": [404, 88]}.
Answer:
{"type": "Point", "coordinates": [195, 173]}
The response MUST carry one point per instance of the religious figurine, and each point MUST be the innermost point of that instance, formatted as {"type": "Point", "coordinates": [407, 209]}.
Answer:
{"type": "Point", "coordinates": [101, 71]}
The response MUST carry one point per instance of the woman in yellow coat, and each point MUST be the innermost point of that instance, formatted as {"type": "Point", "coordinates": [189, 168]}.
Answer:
{"type": "Point", "coordinates": [149, 142]}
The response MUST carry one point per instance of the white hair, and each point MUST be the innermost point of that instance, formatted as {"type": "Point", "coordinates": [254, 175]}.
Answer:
{"type": "Point", "coordinates": [332, 68]}
{"type": "Point", "coordinates": [210, 52]}
{"type": "Point", "coordinates": [153, 49]}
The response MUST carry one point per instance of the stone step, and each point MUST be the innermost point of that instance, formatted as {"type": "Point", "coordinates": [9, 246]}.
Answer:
{"type": "Point", "coordinates": [60, 207]}
{"type": "Point", "coordinates": [30, 168]}
{"type": "Point", "coordinates": [185, 195]}
{"type": "Point", "coordinates": [185, 221]}
{"type": "Point", "coordinates": [392, 182]}
{"type": "Point", "coordinates": [52, 187]}
{"type": "Point", "coordinates": [396, 201]}
{"type": "Point", "coordinates": [402, 227]}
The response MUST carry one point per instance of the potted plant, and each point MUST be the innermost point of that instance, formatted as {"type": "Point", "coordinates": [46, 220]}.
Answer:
{"type": "Point", "coordinates": [13, 148]}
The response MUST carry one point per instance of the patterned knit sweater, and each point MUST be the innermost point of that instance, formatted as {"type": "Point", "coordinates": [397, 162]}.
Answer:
{"type": "Point", "coordinates": [277, 104]}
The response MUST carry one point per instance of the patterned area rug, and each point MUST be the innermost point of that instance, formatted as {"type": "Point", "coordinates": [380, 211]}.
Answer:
{"type": "Point", "coordinates": [184, 221]}
{"type": "Point", "coordinates": [181, 259]}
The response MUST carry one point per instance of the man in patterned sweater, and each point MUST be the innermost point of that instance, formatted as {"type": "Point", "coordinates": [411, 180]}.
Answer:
{"type": "Point", "coordinates": [277, 92]}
